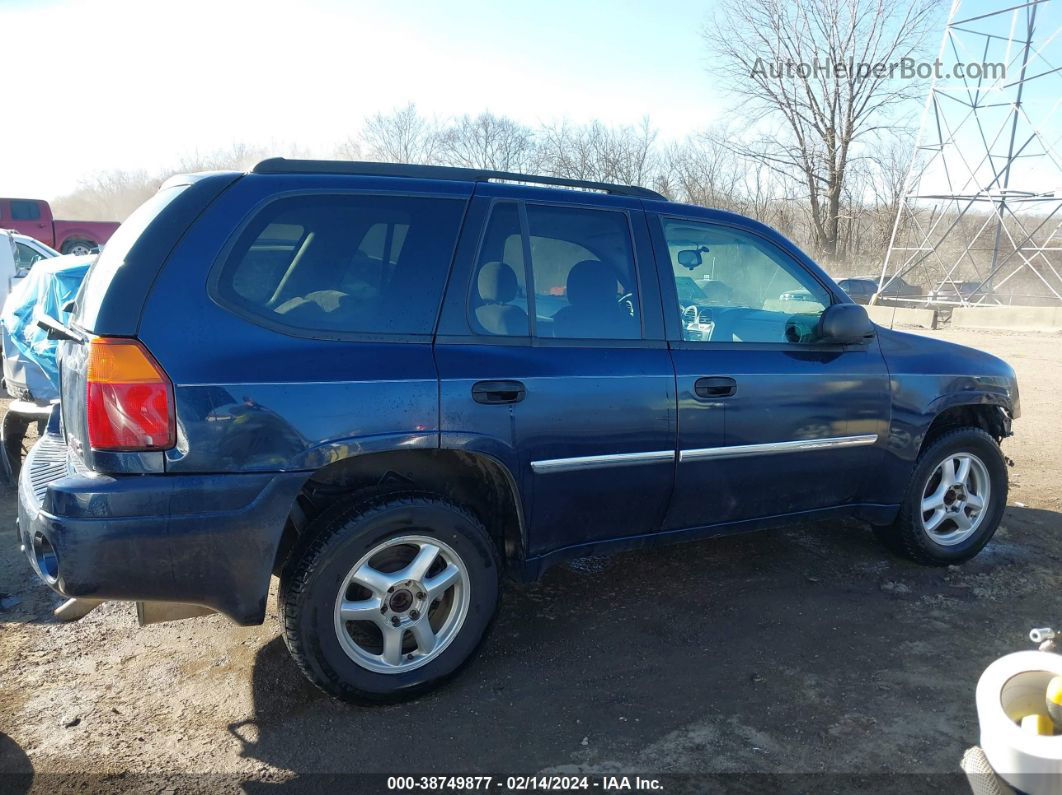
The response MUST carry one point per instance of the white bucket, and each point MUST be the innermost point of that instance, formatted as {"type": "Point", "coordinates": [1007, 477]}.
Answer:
{"type": "Point", "coordinates": [1010, 688]}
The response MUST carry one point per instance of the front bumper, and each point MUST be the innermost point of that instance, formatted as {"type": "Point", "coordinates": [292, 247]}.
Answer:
{"type": "Point", "coordinates": [208, 540]}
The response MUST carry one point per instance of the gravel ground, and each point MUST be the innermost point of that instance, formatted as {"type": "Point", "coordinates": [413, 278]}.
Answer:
{"type": "Point", "coordinates": [804, 650]}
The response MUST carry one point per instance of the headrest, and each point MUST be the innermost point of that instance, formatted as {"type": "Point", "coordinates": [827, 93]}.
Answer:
{"type": "Point", "coordinates": [497, 283]}
{"type": "Point", "coordinates": [591, 282]}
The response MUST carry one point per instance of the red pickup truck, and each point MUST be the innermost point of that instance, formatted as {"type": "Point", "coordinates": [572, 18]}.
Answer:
{"type": "Point", "coordinates": [33, 217]}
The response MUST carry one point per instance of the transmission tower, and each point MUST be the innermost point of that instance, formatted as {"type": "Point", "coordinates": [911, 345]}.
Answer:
{"type": "Point", "coordinates": [980, 221]}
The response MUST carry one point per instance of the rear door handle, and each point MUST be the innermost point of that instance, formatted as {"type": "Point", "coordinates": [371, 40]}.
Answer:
{"type": "Point", "coordinates": [495, 392]}
{"type": "Point", "coordinates": [715, 386]}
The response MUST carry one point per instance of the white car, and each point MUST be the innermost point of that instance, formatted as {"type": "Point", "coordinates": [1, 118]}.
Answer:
{"type": "Point", "coordinates": [28, 251]}
{"type": "Point", "coordinates": [8, 263]}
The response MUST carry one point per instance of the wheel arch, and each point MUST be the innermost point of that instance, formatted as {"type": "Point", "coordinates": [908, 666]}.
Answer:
{"type": "Point", "coordinates": [474, 480]}
{"type": "Point", "coordinates": [991, 417]}
{"type": "Point", "coordinates": [74, 237]}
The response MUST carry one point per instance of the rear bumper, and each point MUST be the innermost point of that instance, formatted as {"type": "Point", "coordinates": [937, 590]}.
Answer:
{"type": "Point", "coordinates": [209, 540]}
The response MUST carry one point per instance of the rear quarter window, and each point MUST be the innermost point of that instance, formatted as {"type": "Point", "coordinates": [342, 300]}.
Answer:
{"type": "Point", "coordinates": [349, 264]}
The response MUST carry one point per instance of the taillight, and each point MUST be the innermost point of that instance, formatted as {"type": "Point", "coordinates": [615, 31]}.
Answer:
{"type": "Point", "coordinates": [130, 398]}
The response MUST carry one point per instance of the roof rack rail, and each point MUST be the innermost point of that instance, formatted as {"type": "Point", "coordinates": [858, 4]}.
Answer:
{"type": "Point", "coordinates": [282, 165]}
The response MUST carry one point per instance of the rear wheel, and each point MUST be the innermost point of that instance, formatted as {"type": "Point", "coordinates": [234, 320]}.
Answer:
{"type": "Point", "coordinates": [79, 247]}
{"type": "Point", "coordinates": [390, 597]}
{"type": "Point", "coordinates": [955, 500]}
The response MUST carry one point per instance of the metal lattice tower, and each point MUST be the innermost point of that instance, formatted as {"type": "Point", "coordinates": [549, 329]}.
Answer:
{"type": "Point", "coordinates": [981, 217]}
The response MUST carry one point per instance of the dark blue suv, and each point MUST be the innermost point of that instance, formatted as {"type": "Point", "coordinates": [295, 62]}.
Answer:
{"type": "Point", "coordinates": [389, 385]}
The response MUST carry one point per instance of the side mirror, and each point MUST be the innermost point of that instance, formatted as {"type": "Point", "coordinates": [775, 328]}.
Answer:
{"type": "Point", "coordinates": [845, 324]}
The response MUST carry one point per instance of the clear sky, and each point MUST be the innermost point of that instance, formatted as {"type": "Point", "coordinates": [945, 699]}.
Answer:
{"type": "Point", "coordinates": [129, 84]}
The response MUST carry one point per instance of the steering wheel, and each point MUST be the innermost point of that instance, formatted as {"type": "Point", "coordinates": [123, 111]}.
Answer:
{"type": "Point", "coordinates": [627, 302]}
{"type": "Point", "coordinates": [692, 315]}
{"type": "Point", "coordinates": [697, 317]}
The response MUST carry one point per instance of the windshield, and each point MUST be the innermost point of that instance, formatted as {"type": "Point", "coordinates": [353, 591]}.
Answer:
{"type": "Point", "coordinates": [688, 291]}
{"type": "Point", "coordinates": [34, 243]}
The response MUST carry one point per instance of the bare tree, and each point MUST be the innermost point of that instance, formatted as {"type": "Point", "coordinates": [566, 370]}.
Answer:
{"type": "Point", "coordinates": [596, 151]}
{"type": "Point", "coordinates": [487, 141]}
{"type": "Point", "coordinates": [804, 72]}
{"type": "Point", "coordinates": [107, 195]}
{"type": "Point", "coordinates": [890, 164]}
{"type": "Point", "coordinates": [402, 136]}
{"type": "Point", "coordinates": [701, 171]}
{"type": "Point", "coordinates": [238, 156]}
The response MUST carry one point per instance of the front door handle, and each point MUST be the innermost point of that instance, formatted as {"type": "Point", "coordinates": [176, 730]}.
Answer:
{"type": "Point", "coordinates": [495, 392]}
{"type": "Point", "coordinates": [715, 386]}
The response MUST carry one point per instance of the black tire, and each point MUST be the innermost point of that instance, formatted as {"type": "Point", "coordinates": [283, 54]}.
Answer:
{"type": "Point", "coordinates": [908, 537]}
{"type": "Point", "coordinates": [79, 247]}
{"type": "Point", "coordinates": [16, 441]}
{"type": "Point", "coordinates": [336, 541]}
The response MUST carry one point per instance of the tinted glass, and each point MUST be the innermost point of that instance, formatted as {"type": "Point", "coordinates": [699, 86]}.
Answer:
{"type": "Point", "coordinates": [25, 210]}
{"type": "Point", "coordinates": [583, 272]}
{"type": "Point", "coordinates": [735, 287]}
{"type": "Point", "coordinates": [348, 264]}
{"type": "Point", "coordinates": [498, 299]}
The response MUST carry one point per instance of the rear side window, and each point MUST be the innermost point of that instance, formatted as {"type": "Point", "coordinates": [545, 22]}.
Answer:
{"type": "Point", "coordinates": [580, 263]}
{"type": "Point", "coordinates": [344, 264]}
{"type": "Point", "coordinates": [25, 210]}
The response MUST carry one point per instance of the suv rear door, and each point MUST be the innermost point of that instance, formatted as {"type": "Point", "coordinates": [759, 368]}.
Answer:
{"type": "Point", "coordinates": [552, 360]}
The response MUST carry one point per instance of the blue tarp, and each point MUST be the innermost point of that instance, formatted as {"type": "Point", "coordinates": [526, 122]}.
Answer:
{"type": "Point", "coordinates": [29, 356]}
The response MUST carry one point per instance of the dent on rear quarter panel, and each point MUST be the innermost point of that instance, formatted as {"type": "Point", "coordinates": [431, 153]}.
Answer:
{"type": "Point", "coordinates": [926, 376]}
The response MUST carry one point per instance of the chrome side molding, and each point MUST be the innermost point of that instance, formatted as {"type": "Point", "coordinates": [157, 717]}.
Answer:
{"type": "Point", "coordinates": [771, 448]}
{"type": "Point", "coordinates": [595, 461]}
{"type": "Point", "coordinates": [700, 454]}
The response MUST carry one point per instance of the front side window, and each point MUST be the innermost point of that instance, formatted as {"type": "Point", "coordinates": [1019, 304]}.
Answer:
{"type": "Point", "coordinates": [345, 264]}
{"type": "Point", "coordinates": [582, 274]}
{"type": "Point", "coordinates": [26, 256]}
{"type": "Point", "coordinates": [25, 210]}
{"type": "Point", "coordinates": [734, 287]}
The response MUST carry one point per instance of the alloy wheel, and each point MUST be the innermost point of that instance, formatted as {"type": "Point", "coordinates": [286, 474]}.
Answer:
{"type": "Point", "coordinates": [955, 499]}
{"type": "Point", "coordinates": [402, 604]}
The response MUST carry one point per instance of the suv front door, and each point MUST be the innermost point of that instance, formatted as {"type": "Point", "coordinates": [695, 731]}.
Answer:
{"type": "Point", "coordinates": [552, 360]}
{"type": "Point", "coordinates": [771, 422]}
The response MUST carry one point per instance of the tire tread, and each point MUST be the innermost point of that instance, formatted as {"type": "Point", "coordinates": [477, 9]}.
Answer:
{"type": "Point", "coordinates": [905, 536]}
{"type": "Point", "coordinates": [306, 556]}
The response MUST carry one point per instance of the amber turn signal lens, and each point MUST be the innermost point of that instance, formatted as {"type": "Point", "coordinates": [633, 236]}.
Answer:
{"type": "Point", "coordinates": [129, 398]}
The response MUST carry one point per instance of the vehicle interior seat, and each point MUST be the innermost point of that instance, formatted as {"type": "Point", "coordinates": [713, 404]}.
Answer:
{"type": "Point", "coordinates": [593, 309]}
{"type": "Point", "coordinates": [498, 286]}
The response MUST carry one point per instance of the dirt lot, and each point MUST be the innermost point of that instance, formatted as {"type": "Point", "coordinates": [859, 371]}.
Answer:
{"type": "Point", "coordinates": [807, 650]}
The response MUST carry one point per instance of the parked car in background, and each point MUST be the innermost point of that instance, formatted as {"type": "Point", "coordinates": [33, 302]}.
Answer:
{"type": "Point", "coordinates": [859, 290]}
{"type": "Point", "coordinates": [29, 251]}
{"type": "Point", "coordinates": [30, 375]}
{"type": "Point", "coordinates": [9, 272]}
{"type": "Point", "coordinates": [862, 289]}
{"type": "Point", "coordinates": [953, 292]}
{"type": "Point", "coordinates": [33, 217]}
{"type": "Point", "coordinates": [390, 384]}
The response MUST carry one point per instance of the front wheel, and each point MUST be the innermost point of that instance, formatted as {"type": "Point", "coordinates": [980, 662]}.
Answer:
{"type": "Point", "coordinates": [389, 597]}
{"type": "Point", "coordinates": [955, 500]}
